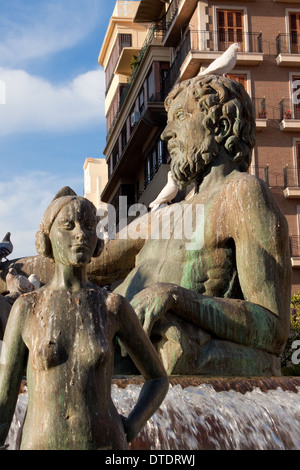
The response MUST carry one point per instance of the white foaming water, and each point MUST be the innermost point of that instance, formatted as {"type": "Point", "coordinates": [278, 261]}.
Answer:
{"type": "Point", "coordinates": [198, 417]}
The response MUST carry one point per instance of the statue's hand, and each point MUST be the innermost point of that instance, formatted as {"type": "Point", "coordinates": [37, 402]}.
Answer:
{"type": "Point", "coordinates": [129, 432]}
{"type": "Point", "coordinates": [152, 303]}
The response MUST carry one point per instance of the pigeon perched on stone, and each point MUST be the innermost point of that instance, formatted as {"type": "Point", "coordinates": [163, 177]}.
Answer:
{"type": "Point", "coordinates": [6, 247]}
{"type": "Point", "coordinates": [17, 283]}
{"type": "Point", "coordinates": [35, 281]}
{"type": "Point", "coordinates": [167, 194]}
{"type": "Point", "coordinates": [102, 233]}
{"type": "Point", "coordinates": [223, 64]}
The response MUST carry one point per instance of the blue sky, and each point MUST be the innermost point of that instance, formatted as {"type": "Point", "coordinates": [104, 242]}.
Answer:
{"type": "Point", "coordinates": [53, 117]}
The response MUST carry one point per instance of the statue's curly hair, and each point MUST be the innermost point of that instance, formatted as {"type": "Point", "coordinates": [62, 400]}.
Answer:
{"type": "Point", "coordinates": [220, 96]}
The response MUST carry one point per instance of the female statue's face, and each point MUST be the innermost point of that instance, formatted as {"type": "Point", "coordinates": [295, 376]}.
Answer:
{"type": "Point", "coordinates": [73, 234]}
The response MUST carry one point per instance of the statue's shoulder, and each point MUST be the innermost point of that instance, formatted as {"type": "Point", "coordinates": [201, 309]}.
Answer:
{"type": "Point", "coordinates": [243, 185]}
{"type": "Point", "coordinates": [251, 194]}
{"type": "Point", "coordinates": [112, 300]}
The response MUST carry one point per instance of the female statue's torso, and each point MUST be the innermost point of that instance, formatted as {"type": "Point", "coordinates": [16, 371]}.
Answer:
{"type": "Point", "coordinates": [69, 336]}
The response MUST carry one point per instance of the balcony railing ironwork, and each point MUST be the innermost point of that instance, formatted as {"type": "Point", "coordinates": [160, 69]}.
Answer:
{"type": "Point", "coordinates": [260, 108]}
{"type": "Point", "coordinates": [291, 177]}
{"type": "Point", "coordinates": [209, 41]}
{"type": "Point", "coordinates": [273, 177]}
{"type": "Point", "coordinates": [149, 177]}
{"type": "Point", "coordinates": [294, 246]}
{"type": "Point", "coordinates": [170, 14]}
{"type": "Point", "coordinates": [288, 43]}
{"type": "Point", "coordinates": [155, 32]}
{"type": "Point", "coordinates": [288, 109]}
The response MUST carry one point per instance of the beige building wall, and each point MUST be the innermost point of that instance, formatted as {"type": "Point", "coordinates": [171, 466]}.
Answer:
{"type": "Point", "coordinates": [121, 22]}
{"type": "Point", "coordinates": [95, 179]}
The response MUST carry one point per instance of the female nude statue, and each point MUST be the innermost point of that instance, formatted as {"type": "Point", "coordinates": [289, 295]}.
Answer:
{"type": "Point", "coordinates": [65, 333]}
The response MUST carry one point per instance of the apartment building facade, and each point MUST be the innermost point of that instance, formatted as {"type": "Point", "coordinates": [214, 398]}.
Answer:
{"type": "Point", "coordinates": [182, 37]}
{"type": "Point", "coordinates": [95, 180]}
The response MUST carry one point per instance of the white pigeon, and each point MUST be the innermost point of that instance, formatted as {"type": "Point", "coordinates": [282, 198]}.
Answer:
{"type": "Point", "coordinates": [6, 247]}
{"type": "Point", "coordinates": [223, 64]}
{"type": "Point", "coordinates": [102, 233]}
{"type": "Point", "coordinates": [167, 194]}
{"type": "Point", "coordinates": [17, 283]}
{"type": "Point", "coordinates": [35, 281]}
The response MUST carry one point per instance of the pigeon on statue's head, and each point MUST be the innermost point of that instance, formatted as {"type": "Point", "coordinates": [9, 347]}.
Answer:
{"type": "Point", "coordinates": [167, 194]}
{"type": "Point", "coordinates": [6, 247]}
{"type": "Point", "coordinates": [223, 64]}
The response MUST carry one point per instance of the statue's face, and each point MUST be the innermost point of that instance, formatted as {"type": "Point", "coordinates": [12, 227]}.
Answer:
{"type": "Point", "coordinates": [185, 133]}
{"type": "Point", "coordinates": [73, 234]}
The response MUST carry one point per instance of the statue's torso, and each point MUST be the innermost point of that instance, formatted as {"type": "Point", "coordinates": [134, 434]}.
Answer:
{"type": "Point", "coordinates": [70, 341]}
{"type": "Point", "coordinates": [204, 263]}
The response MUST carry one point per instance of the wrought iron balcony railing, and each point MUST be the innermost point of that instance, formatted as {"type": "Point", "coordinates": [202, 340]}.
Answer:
{"type": "Point", "coordinates": [288, 109]}
{"type": "Point", "coordinates": [210, 41]}
{"type": "Point", "coordinates": [221, 40]}
{"type": "Point", "coordinates": [294, 246]}
{"type": "Point", "coordinates": [291, 177]}
{"type": "Point", "coordinates": [260, 108]}
{"type": "Point", "coordinates": [170, 14]}
{"type": "Point", "coordinates": [288, 43]}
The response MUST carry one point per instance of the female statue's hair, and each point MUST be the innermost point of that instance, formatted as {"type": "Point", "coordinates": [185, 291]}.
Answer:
{"type": "Point", "coordinates": [218, 97]}
{"type": "Point", "coordinates": [62, 198]}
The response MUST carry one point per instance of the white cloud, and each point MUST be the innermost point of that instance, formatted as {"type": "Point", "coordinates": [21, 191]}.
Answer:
{"type": "Point", "coordinates": [41, 28]}
{"type": "Point", "coordinates": [35, 104]}
{"type": "Point", "coordinates": [23, 201]}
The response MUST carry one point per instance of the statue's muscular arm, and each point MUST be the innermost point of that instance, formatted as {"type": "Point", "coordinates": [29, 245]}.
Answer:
{"type": "Point", "coordinates": [261, 320]}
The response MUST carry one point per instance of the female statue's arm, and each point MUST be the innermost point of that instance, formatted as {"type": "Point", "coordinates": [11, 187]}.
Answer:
{"type": "Point", "coordinates": [147, 361]}
{"type": "Point", "coordinates": [12, 364]}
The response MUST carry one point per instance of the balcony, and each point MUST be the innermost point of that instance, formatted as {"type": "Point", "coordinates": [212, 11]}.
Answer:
{"type": "Point", "coordinates": [140, 123]}
{"type": "Point", "coordinates": [291, 180]}
{"type": "Point", "coordinates": [294, 241]}
{"type": "Point", "coordinates": [200, 48]}
{"type": "Point", "coordinates": [288, 50]}
{"type": "Point", "coordinates": [154, 181]}
{"type": "Point", "coordinates": [273, 177]}
{"type": "Point", "coordinates": [287, 179]}
{"type": "Point", "coordinates": [289, 116]}
{"type": "Point", "coordinates": [153, 38]}
{"type": "Point", "coordinates": [260, 112]}
{"type": "Point", "coordinates": [177, 15]}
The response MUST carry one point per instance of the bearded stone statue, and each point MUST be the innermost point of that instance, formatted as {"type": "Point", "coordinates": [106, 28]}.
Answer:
{"type": "Point", "coordinates": [216, 304]}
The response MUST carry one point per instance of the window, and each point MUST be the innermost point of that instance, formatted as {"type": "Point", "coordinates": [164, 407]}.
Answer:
{"type": "Point", "coordinates": [294, 32]}
{"type": "Point", "coordinates": [123, 40]}
{"type": "Point", "coordinates": [141, 100]}
{"type": "Point", "coordinates": [239, 77]}
{"type": "Point", "coordinates": [230, 28]}
{"type": "Point", "coordinates": [150, 84]}
{"type": "Point", "coordinates": [123, 137]}
{"type": "Point", "coordinates": [155, 158]}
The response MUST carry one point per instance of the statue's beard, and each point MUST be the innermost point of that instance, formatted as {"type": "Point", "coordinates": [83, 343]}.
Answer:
{"type": "Point", "coordinates": [186, 167]}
